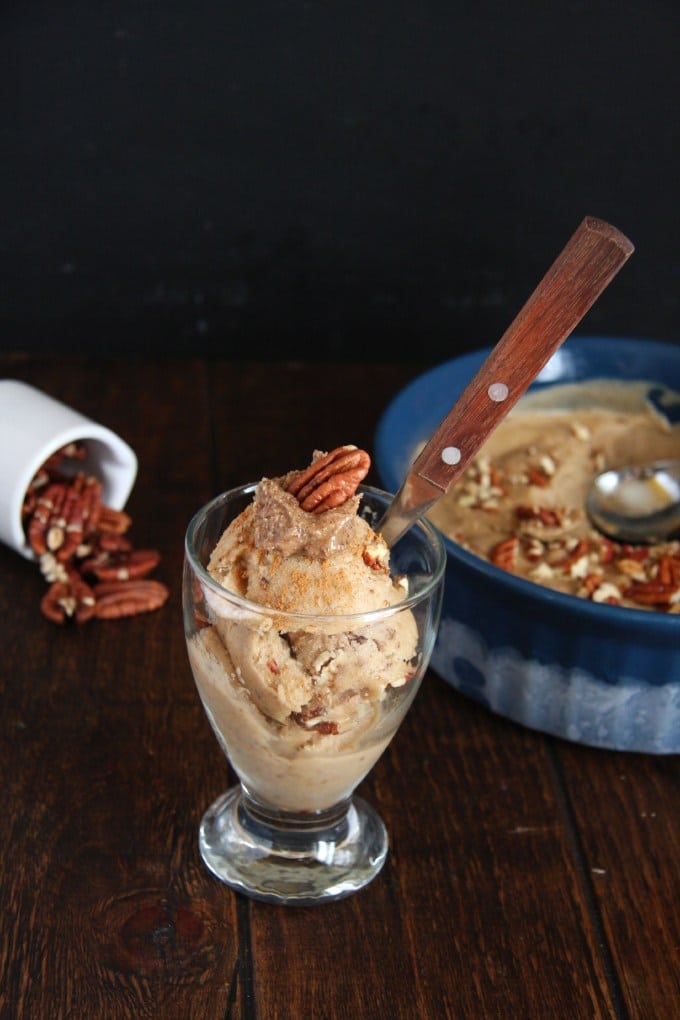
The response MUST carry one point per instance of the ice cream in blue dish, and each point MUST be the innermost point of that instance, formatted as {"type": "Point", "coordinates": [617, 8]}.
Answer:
{"type": "Point", "coordinates": [546, 621]}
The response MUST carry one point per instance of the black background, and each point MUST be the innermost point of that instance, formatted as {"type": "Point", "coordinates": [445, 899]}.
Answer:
{"type": "Point", "coordinates": [324, 180]}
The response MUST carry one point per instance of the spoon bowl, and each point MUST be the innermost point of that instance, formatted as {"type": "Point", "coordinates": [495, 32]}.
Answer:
{"type": "Point", "coordinates": [637, 503]}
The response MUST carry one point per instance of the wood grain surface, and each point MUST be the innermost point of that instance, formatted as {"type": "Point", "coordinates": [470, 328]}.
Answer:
{"type": "Point", "coordinates": [527, 877]}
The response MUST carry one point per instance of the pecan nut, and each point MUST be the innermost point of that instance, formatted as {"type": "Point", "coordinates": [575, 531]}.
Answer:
{"type": "Point", "coordinates": [545, 522]}
{"type": "Point", "coordinates": [653, 593]}
{"type": "Point", "coordinates": [72, 599]}
{"type": "Point", "coordinates": [504, 553]}
{"type": "Point", "coordinates": [579, 554]}
{"type": "Point", "coordinates": [113, 521]}
{"type": "Point", "coordinates": [63, 515]}
{"type": "Point", "coordinates": [326, 727]}
{"type": "Point", "coordinates": [114, 599]}
{"type": "Point", "coordinates": [121, 564]}
{"type": "Point", "coordinates": [78, 540]}
{"type": "Point", "coordinates": [330, 480]}
{"type": "Point", "coordinates": [668, 569]}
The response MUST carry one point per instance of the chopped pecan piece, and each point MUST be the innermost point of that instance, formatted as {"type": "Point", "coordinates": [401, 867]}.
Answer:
{"type": "Point", "coordinates": [544, 522]}
{"type": "Point", "coordinates": [375, 557]}
{"type": "Point", "coordinates": [325, 726]}
{"type": "Point", "coordinates": [668, 569]}
{"type": "Point", "coordinates": [537, 477]}
{"type": "Point", "coordinates": [631, 568]}
{"type": "Point", "coordinates": [607, 550]}
{"type": "Point", "coordinates": [653, 593]}
{"type": "Point", "coordinates": [590, 584]}
{"type": "Point", "coordinates": [534, 550]}
{"type": "Point", "coordinates": [504, 553]}
{"type": "Point", "coordinates": [580, 550]}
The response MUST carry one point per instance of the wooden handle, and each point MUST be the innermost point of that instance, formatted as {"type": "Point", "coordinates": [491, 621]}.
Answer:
{"type": "Point", "coordinates": [587, 264]}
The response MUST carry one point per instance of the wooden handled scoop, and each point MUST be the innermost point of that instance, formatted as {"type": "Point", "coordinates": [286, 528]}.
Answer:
{"type": "Point", "coordinates": [587, 264]}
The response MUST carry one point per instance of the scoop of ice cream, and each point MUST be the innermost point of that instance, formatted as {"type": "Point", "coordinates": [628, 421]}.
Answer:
{"type": "Point", "coordinates": [317, 672]}
{"type": "Point", "coordinates": [329, 567]}
{"type": "Point", "coordinates": [281, 556]}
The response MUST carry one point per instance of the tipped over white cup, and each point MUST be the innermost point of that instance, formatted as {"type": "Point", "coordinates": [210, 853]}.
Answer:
{"type": "Point", "coordinates": [33, 426]}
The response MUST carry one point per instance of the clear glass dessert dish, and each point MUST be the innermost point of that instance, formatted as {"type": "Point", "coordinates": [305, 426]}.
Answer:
{"type": "Point", "coordinates": [292, 830]}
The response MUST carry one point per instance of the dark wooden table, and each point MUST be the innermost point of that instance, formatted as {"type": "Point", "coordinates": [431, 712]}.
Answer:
{"type": "Point", "coordinates": [527, 877]}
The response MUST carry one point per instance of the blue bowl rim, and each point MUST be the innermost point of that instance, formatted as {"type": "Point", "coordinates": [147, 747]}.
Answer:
{"type": "Point", "coordinates": [619, 617]}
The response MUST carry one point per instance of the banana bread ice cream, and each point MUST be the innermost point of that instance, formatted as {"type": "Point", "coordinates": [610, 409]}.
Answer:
{"type": "Point", "coordinates": [306, 656]}
{"type": "Point", "coordinates": [521, 503]}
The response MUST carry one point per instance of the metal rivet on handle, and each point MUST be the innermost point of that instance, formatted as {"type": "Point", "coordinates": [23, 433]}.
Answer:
{"type": "Point", "coordinates": [498, 391]}
{"type": "Point", "coordinates": [451, 455]}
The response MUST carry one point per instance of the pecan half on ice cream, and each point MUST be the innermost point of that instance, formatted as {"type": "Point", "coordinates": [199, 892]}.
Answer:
{"type": "Point", "coordinates": [330, 480]}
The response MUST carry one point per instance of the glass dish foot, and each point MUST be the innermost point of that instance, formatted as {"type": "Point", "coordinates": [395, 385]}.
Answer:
{"type": "Point", "coordinates": [293, 858]}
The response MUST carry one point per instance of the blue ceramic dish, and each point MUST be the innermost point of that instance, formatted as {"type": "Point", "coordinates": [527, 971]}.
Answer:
{"type": "Point", "coordinates": [594, 674]}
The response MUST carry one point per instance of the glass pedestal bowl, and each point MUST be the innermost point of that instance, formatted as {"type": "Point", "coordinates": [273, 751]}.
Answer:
{"type": "Point", "coordinates": [292, 829]}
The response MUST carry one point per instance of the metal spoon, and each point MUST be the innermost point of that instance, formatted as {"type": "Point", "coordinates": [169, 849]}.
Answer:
{"type": "Point", "coordinates": [587, 264]}
{"type": "Point", "coordinates": [637, 503]}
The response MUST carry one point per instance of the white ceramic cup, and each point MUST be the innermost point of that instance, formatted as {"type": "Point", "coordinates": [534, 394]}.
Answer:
{"type": "Point", "coordinates": [33, 426]}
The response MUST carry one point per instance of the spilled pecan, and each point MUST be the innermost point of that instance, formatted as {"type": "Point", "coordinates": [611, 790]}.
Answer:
{"type": "Point", "coordinates": [63, 515]}
{"type": "Point", "coordinates": [121, 564]}
{"type": "Point", "coordinates": [330, 480]}
{"type": "Point", "coordinates": [72, 599]}
{"type": "Point", "coordinates": [113, 521]}
{"type": "Point", "coordinates": [110, 541]}
{"type": "Point", "coordinates": [78, 539]}
{"type": "Point", "coordinates": [114, 599]}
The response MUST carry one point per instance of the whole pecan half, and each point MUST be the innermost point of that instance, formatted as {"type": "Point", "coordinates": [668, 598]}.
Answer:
{"type": "Point", "coordinates": [114, 599]}
{"type": "Point", "coordinates": [113, 521]}
{"type": "Point", "coordinates": [121, 564]}
{"type": "Point", "coordinates": [72, 599]}
{"type": "Point", "coordinates": [331, 479]}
